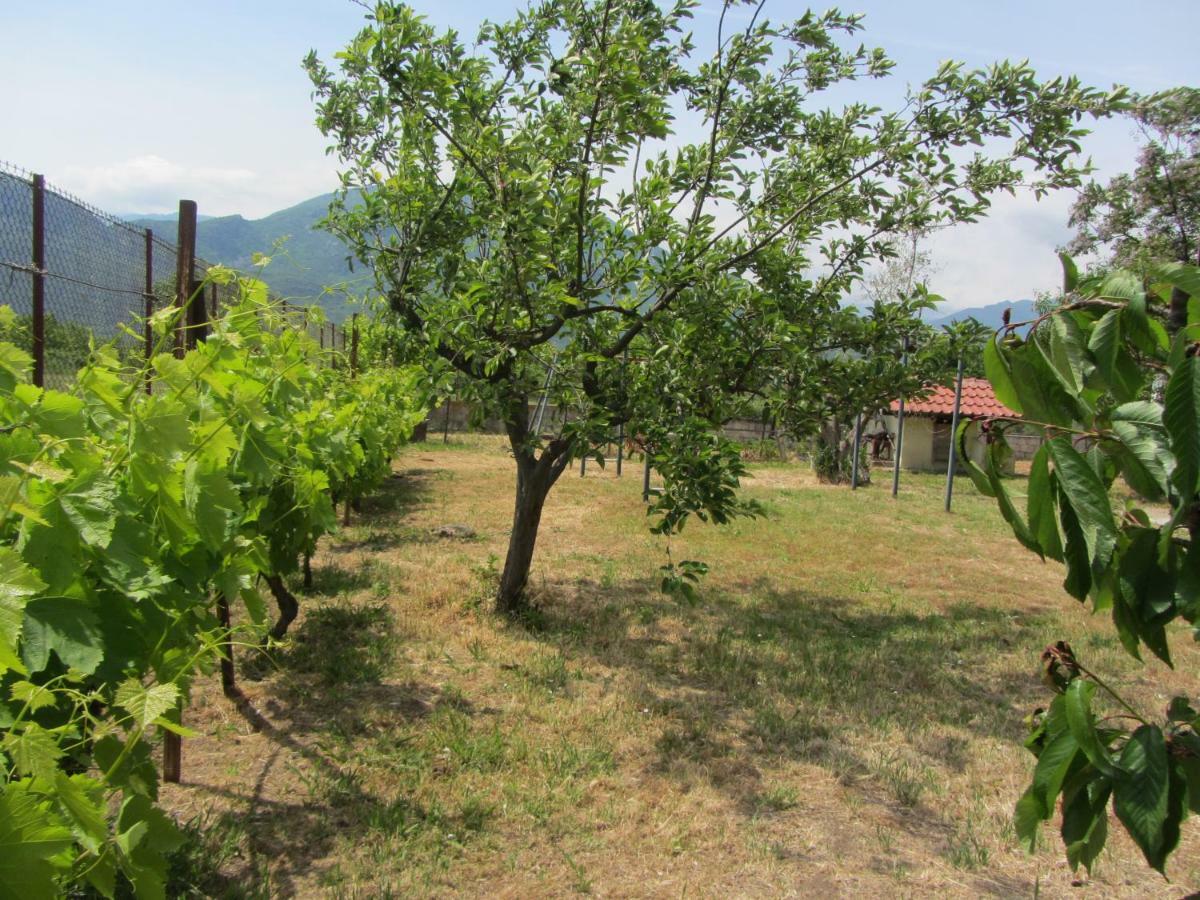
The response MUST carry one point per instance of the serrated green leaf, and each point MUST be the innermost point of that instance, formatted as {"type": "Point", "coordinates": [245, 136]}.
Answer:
{"type": "Point", "coordinates": [68, 628]}
{"type": "Point", "coordinates": [1181, 418]}
{"type": "Point", "coordinates": [1140, 794]}
{"type": "Point", "coordinates": [1078, 705]}
{"type": "Point", "coordinates": [1040, 505]}
{"type": "Point", "coordinates": [146, 704]}
{"type": "Point", "coordinates": [33, 844]}
{"type": "Point", "coordinates": [18, 583]}
{"type": "Point", "coordinates": [81, 801]}
{"type": "Point", "coordinates": [33, 750]}
{"type": "Point", "coordinates": [1082, 489]}
{"type": "Point", "coordinates": [999, 373]}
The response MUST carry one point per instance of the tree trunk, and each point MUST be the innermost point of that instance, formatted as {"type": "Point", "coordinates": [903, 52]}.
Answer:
{"type": "Point", "coordinates": [288, 607]}
{"type": "Point", "coordinates": [536, 474]}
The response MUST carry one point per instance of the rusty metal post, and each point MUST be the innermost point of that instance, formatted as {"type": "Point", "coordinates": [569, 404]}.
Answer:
{"type": "Point", "coordinates": [148, 287]}
{"type": "Point", "coordinates": [39, 281]}
{"type": "Point", "coordinates": [353, 344]}
{"type": "Point", "coordinates": [185, 264]}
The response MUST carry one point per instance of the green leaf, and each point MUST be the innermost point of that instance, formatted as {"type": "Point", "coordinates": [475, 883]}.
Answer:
{"type": "Point", "coordinates": [1122, 375]}
{"type": "Point", "coordinates": [1181, 417]}
{"type": "Point", "coordinates": [1078, 704]}
{"type": "Point", "coordinates": [146, 704]}
{"type": "Point", "coordinates": [1070, 272]}
{"type": "Point", "coordinates": [33, 845]}
{"type": "Point", "coordinates": [1140, 794]}
{"type": "Point", "coordinates": [34, 750]}
{"type": "Point", "coordinates": [90, 508]}
{"type": "Point", "coordinates": [1040, 505]}
{"type": "Point", "coordinates": [1066, 353]}
{"type": "Point", "coordinates": [1085, 822]}
{"type": "Point", "coordinates": [17, 584]}
{"type": "Point", "coordinates": [81, 800]}
{"type": "Point", "coordinates": [1052, 767]}
{"type": "Point", "coordinates": [1027, 817]}
{"type": "Point", "coordinates": [1082, 488]}
{"type": "Point", "coordinates": [69, 628]}
{"type": "Point", "coordinates": [999, 373]}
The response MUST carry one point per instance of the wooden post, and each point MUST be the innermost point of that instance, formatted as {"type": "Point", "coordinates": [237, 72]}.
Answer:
{"type": "Point", "coordinates": [39, 281]}
{"type": "Point", "coordinates": [646, 476]}
{"type": "Point", "coordinates": [185, 265]}
{"type": "Point", "coordinates": [353, 345]}
{"type": "Point", "coordinates": [172, 757]}
{"type": "Point", "coordinates": [148, 287]}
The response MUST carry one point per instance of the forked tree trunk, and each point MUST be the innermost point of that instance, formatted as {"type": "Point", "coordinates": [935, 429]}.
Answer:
{"type": "Point", "coordinates": [536, 474]}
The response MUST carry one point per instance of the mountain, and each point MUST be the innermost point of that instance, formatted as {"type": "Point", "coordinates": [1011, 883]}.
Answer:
{"type": "Point", "coordinates": [307, 260]}
{"type": "Point", "coordinates": [991, 315]}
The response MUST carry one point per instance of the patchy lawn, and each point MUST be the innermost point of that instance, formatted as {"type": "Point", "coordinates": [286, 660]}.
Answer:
{"type": "Point", "coordinates": [840, 715]}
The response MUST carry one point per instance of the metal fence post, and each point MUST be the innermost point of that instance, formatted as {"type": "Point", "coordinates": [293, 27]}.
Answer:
{"type": "Point", "coordinates": [952, 463]}
{"type": "Point", "coordinates": [185, 264]}
{"type": "Point", "coordinates": [39, 281]}
{"type": "Point", "coordinates": [148, 286]}
{"type": "Point", "coordinates": [857, 451]}
{"type": "Point", "coordinates": [899, 429]}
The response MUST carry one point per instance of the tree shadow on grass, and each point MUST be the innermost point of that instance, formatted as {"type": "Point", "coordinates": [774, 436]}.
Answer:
{"type": "Point", "coordinates": [884, 699]}
{"type": "Point", "coordinates": [326, 705]}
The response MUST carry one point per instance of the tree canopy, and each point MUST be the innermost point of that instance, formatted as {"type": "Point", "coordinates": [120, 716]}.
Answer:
{"type": "Point", "coordinates": [649, 226]}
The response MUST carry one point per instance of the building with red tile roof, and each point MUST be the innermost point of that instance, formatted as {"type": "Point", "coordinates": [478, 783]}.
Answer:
{"type": "Point", "coordinates": [927, 420]}
{"type": "Point", "coordinates": [978, 401]}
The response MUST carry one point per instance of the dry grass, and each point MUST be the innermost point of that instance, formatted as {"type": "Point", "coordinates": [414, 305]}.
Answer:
{"type": "Point", "coordinates": [840, 715]}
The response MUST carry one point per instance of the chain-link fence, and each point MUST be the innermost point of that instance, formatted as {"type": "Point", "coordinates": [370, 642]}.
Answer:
{"type": "Point", "coordinates": [74, 274]}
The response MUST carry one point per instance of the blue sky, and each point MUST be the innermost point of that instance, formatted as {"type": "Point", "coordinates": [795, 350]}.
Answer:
{"type": "Point", "coordinates": [133, 105]}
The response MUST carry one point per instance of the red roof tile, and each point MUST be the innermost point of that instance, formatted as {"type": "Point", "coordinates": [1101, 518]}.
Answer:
{"type": "Point", "coordinates": [978, 401]}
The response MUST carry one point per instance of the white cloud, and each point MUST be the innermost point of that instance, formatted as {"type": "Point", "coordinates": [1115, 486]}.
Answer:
{"type": "Point", "coordinates": [1010, 255]}
{"type": "Point", "coordinates": [152, 184]}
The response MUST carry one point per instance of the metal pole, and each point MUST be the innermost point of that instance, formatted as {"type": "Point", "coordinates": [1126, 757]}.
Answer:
{"type": "Point", "coordinates": [857, 450]}
{"type": "Point", "coordinates": [952, 464]}
{"type": "Point", "coordinates": [39, 281]}
{"type": "Point", "coordinates": [149, 289]}
{"type": "Point", "coordinates": [185, 264]}
{"type": "Point", "coordinates": [646, 476]}
{"type": "Point", "coordinates": [899, 431]}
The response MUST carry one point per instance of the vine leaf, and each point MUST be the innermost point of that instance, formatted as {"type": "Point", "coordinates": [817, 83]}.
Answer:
{"type": "Point", "coordinates": [32, 839]}
{"type": "Point", "coordinates": [146, 704]}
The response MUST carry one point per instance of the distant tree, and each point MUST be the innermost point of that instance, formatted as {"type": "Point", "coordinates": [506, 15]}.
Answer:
{"type": "Point", "coordinates": [529, 212]}
{"type": "Point", "coordinates": [908, 265]}
{"type": "Point", "coordinates": [1153, 213]}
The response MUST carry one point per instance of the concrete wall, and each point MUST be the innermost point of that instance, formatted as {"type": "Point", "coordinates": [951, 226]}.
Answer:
{"type": "Point", "coordinates": [918, 451]}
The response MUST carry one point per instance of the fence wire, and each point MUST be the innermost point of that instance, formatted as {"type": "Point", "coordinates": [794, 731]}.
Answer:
{"type": "Point", "coordinates": [96, 284]}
